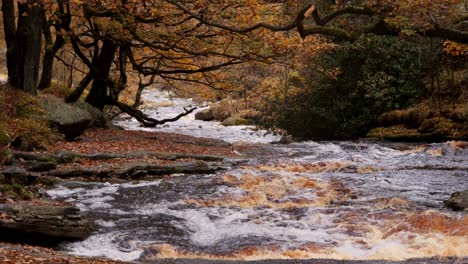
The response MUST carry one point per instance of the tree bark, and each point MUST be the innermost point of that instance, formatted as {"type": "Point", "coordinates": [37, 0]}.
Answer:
{"type": "Point", "coordinates": [9, 26]}
{"type": "Point", "coordinates": [29, 37]}
{"type": "Point", "coordinates": [51, 47]}
{"type": "Point", "coordinates": [99, 94]}
{"type": "Point", "coordinates": [75, 95]}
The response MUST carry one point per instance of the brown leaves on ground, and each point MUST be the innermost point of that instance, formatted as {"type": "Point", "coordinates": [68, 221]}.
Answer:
{"type": "Point", "coordinates": [122, 141]}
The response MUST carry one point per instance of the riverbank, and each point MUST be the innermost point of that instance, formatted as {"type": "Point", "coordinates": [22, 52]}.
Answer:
{"type": "Point", "coordinates": [98, 155]}
{"type": "Point", "coordinates": [21, 254]}
{"type": "Point", "coordinates": [24, 254]}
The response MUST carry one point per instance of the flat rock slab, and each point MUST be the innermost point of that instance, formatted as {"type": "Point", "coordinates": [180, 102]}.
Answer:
{"type": "Point", "coordinates": [139, 170]}
{"type": "Point", "coordinates": [48, 222]}
{"type": "Point", "coordinates": [68, 156]}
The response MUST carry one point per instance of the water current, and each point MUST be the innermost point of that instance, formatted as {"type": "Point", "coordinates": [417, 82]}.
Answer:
{"type": "Point", "coordinates": [341, 200]}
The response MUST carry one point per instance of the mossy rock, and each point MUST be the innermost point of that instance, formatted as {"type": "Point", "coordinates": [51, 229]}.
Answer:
{"type": "Point", "coordinates": [412, 117]}
{"type": "Point", "coordinates": [68, 119]}
{"type": "Point", "coordinates": [444, 129]}
{"type": "Point", "coordinates": [98, 119]}
{"type": "Point", "coordinates": [458, 201]}
{"type": "Point", "coordinates": [429, 125]}
{"type": "Point", "coordinates": [399, 133]}
{"type": "Point", "coordinates": [205, 115]}
{"type": "Point", "coordinates": [16, 190]}
{"type": "Point", "coordinates": [236, 121]}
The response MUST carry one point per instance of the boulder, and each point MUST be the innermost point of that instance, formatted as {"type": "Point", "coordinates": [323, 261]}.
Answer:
{"type": "Point", "coordinates": [68, 119]}
{"type": "Point", "coordinates": [205, 115]}
{"type": "Point", "coordinates": [236, 121]}
{"type": "Point", "coordinates": [98, 119]}
{"type": "Point", "coordinates": [218, 111]}
{"type": "Point", "coordinates": [458, 201]}
{"type": "Point", "coordinates": [47, 222]}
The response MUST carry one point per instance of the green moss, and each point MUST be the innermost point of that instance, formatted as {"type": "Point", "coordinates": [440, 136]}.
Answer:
{"type": "Point", "coordinates": [446, 127]}
{"type": "Point", "coordinates": [25, 120]}
{"type": "Point", "coordinates": [398, 133]}
{"type": "Point", "coordinates": [17, 191]}
{"type": "Point", "coordinates": [32, 135]}
{"type": "Point", "coordinates": [236, 121]}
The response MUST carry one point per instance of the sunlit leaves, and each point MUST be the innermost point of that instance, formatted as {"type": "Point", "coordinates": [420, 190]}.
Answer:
{"type": "Point", "coordinates": [455, 49]}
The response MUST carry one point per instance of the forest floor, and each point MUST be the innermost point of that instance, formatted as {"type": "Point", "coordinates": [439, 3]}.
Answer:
{"type": "Point", "coordinates": [123, 141]}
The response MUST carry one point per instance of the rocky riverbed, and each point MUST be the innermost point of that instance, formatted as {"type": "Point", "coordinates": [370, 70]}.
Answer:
{"type": "Point", "coordinates": [159, 197]}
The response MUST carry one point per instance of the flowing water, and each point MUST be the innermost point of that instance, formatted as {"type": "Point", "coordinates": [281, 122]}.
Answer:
{"type": "Point", "coordinates": [340, 200]}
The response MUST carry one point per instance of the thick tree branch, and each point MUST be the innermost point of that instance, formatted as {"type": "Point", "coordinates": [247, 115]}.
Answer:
{"type": "Point", "coordinates": [287, 27]}
{"type": "Point", "coordinates": [147, 121]}
{"type": "Point", "coordinates": [347, 10]}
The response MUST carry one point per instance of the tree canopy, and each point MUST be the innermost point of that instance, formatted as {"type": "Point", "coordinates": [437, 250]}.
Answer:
{"type": "Point", "coordinates": [196, 41]}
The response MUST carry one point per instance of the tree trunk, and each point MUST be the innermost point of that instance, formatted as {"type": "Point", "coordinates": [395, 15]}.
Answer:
{"type": "Point", "coordinates": [9, 26]}
{"type": "Point", "coordinates": [51, 47]}
{"type": "Point", "coordinates": [99, 94]}
{"type": "Point", "coordinates": [29, 37]}
{"type": "Point", "coordinates": [75, 95]}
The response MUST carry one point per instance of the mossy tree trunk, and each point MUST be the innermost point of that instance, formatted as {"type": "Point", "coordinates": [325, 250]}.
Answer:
{"type": "Point", "coordinates": [23, 43]}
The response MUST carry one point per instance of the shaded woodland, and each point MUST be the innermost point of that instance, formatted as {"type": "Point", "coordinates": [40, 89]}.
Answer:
{"type": "Point", "coordinates": [312, 69]}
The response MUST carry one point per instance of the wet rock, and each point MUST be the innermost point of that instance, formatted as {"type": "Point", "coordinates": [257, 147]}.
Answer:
{"type": "Point", "coordinates": [68, 156]}
{"type": "Point", "coordinates": [236, 121]}
{"type": "Point", "coordinates": [219, 111]}
{"type": "Point", "coordinates": [191, 168]}
{"type": "Point", "coordinates": [205, 115]}
{"type": "Point", "coordinates": [68, 119]}
{"type": "Point", "coordinates": [430, 130]}
{"type": "Point", "coordinates": [38, 166]}
{"type": "Point", "coordinates": [286, 139]}
{"type": "Point", "coordinates": [399, 133]}
{"type": "Point", "coordinates": [139, 170]}
{"type": "Point", "coordinates": [12, 173]}
{"type": "Point", "coordinates": [47, 221]}
{"type": "Point", "coordinates": [33, 156]}
{"type": "Point", "coordinates": [458, 201]}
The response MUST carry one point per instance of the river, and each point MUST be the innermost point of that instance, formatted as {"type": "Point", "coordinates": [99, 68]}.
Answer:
{"type": "Point", "coordinates": [340, 200]}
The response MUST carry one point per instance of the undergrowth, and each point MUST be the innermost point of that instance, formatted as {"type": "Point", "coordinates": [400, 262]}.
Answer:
{"type": "Point", "coordinates": [23, 121]}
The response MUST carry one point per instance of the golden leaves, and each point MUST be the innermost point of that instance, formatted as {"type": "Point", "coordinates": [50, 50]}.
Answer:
{"type": "Point", "coordinates": [455, 49]}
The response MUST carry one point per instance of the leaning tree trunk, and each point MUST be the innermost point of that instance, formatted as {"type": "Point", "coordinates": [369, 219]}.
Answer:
{"type": "Point", "coordinates": [99, 93]}
{"type": "Point", "coordinates": [51, 47]}
{"type": "Point", "coordinates": [29, 37]}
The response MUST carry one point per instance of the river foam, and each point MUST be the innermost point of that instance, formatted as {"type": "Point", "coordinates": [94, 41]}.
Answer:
{"type": "Point", "coordinates": [341, 200]}
{"type": "Point", "coordinates": [166, 106]}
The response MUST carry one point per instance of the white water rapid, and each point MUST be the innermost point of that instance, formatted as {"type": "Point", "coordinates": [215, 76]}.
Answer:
{"type": "Point", "coordinates": [161, 105]}
{"type": "Point", "coordinates": [339, 200]}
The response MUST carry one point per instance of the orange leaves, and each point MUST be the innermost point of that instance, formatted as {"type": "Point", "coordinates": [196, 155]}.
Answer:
{"type": "Point", "coordinates": [455, 49]}
{"type": "Point", "coordinates": [419, 15]}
